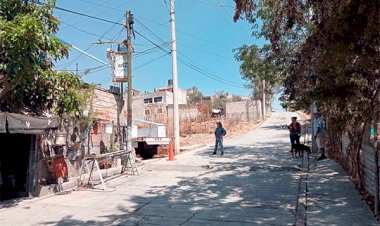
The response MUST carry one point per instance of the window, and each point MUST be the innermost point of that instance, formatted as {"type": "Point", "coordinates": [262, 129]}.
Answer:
{"type": "Point", "coordinates": [147, 112]}
{"type": "Point", "coordinates": [148, 100]}
{"type": "Point", "coordinates": [157, 99]}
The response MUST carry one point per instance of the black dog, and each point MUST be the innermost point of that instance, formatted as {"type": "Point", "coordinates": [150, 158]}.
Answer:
{"type": "Point", "coordinates": [298, 149]}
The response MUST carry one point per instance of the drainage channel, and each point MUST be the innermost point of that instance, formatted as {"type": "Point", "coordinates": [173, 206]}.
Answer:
{"type": "Point", "coordinates": [303, 191]}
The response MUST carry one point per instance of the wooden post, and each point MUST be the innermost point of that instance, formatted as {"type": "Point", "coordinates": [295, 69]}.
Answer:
{"type": "Point", "coordinates": [31, 165]}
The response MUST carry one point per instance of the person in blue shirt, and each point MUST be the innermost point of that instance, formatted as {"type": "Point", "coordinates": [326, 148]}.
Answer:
{"type": "Point", "coordinates": [320, 134]}
{"type": "Point", "coordinates": [220, 132]}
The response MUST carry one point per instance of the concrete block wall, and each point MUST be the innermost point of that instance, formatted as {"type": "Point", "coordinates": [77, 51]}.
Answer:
{"type": "Point", "coordinates": [106, 106]}
{"type": "Point", "coordinates": [245, 111]}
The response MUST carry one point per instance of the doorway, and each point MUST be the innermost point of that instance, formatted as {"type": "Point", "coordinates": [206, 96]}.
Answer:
{"type": "Point", "coordinates": [14, 162]}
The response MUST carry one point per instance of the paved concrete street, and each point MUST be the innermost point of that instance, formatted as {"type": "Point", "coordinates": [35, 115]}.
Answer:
{"type": "Point", "coordinates": [255, 182]}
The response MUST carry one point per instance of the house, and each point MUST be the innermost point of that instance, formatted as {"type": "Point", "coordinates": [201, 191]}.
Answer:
{"type": "Point", "coordinates": [38, 154]}
{"type": "Point", "coordinates": [20, 143]}
{"type": "Point", "coordinates": [153, 106]}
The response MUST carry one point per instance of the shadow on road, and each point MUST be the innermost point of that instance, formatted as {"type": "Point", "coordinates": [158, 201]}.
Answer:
{"type": "Point", "coordinates": [251, 184]}
{"type": "Point", "coordinates": [259, 186]}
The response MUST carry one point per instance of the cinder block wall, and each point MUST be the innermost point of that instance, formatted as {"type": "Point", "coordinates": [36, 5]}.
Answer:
{"type": "Point", "coordinates": [244, 111]}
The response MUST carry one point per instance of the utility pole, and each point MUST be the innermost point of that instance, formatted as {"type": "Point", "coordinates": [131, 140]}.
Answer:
{"type": "Point", "coordinates": [376, 158]}
{"type": "Point", "coordinates": [129, 27]}
{"type": "Point", "coordinates": [264, 107]}
{"type": "Point", "coordinates": [175, 82]}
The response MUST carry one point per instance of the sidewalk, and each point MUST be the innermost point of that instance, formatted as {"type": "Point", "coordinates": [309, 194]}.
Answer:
{"type": "Point", "coordinates": [332, 198]}
{"type": "Point", "coordinates": [328, 196]}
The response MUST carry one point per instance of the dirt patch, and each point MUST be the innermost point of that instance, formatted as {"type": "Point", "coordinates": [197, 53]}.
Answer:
{"type": "Point", "coordinates": [233, 129]}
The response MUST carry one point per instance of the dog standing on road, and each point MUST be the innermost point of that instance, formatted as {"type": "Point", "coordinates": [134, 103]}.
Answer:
{"type": "Point", "coordinates": [298, 149]}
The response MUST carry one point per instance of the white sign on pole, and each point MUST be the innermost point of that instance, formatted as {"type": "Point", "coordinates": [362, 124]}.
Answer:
{"type": "Point", "coordinates": [119, 63]}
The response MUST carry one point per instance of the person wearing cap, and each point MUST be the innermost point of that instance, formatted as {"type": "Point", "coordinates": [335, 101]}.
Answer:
{"type": "Point", "coordinates": [320, 134]}
{"type": "Point", "coordinates": [295, 132]}
{"type": "Point", "coordinates": [220, 132]}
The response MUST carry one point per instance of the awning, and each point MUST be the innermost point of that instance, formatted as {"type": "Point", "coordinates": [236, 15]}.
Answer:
{"type": "Point", "coordinates": [18, 123]}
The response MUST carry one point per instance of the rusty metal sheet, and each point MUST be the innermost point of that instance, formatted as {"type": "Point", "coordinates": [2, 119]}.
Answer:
{"type": "Point", "coordinates": [3, 122]}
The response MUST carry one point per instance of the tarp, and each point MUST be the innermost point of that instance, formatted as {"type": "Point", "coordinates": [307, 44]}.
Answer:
{"type": "Point", "coordinates": [18, 123]}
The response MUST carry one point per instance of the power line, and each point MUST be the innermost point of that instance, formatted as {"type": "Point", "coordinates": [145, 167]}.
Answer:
{"type": "Point", "coordinates": [96, 70]}
{"type": "Point", "coordinates": [205, 51]}
{"type": "Point", "coordinates": [221, 5]}
{"type": "Point", "coordinates": [166, 5]}
{"type": "Point", "coordinates": [85, 69]}
{"type": "Point", "coordinates": [149, 30]}
{"type": "Point", "coordinates": [245, 30]}
{"type": "Point", "coordinates": [118, 34]}
{"type": "Point", "coordinates": [185, 33]}
{"type": "Point", "coordinates": [117, 23]}
{"type": "Point", "coordinates": [89, 16]}
{"type": "Point", "coordinates": [88, 10]}
{"type": "Point", "coordinates": [228, 22]}
{"type": "Point", "coordinates": [150, 50]}
{"type": "Point", "coordinates": [151, 61]}
{"type": "Point", "coordinates": [158, 46]}
{"type": "Point", "coordinates": [81, 54]}
{"type": "Point", "coordinates": [103, 5]}
{"type": "Point", "coordinates": [212, 76]}
{"type": "Point", "coordinates": [81, 30]}
{"type": "Point", "coordinates": [194, 67]}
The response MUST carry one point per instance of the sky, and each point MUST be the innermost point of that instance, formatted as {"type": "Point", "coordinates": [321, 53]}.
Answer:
{"type": "Point", "coordinates": [206, 37]}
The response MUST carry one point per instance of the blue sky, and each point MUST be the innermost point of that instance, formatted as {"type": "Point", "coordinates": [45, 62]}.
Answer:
{"type": "Point", "coordinates": [206, 37]}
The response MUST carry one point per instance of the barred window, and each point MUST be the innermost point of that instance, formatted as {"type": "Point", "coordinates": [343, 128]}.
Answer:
{"type": "Point", "coordinates": [148, 100]}
{"type": "Point", "coordinates": [157, 99]}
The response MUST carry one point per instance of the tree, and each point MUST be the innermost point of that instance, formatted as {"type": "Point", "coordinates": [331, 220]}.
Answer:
{"type": "Point", "coordinates": [325, 52]}
{"type": "Point", "coordinates": [194, 95]}
{"type": "Point", "coordinates": [220, 100]}
{"type": "Point", "coordinates": [27, 46]}
{"type": "Point", "coordinates": [236, 98]}
{"type": "Point", "coordinates": [256, 67]}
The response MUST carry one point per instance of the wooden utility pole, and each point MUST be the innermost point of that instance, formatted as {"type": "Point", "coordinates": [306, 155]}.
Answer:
{"type": "Point", "coordinates": [129, 27]}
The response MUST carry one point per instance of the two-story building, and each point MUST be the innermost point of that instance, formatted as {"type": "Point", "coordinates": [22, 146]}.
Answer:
{"type": "Point", "coordinates": [154, 106]}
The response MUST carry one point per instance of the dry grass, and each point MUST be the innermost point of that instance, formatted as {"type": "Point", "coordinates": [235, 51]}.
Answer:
{"type": "Point", "coordinates": [233, 129]}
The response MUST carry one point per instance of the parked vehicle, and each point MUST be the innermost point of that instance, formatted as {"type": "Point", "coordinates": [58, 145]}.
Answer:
{"type": "Point", "coordinates": [147, 140]}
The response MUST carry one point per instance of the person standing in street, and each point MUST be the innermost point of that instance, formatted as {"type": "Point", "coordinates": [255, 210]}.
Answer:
{"type": "Point", "coordinates": [320, 134]}
{"type": "Point", "coordinates": [295, 132]}
{"type": "Point", "coordinates": [220, 132]}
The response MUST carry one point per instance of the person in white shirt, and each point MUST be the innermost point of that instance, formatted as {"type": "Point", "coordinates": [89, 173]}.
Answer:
{"type": "Point", "coordinates": [320, 134]}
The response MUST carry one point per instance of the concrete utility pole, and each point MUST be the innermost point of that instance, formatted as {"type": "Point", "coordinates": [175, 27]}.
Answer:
{"type": "Point", "coordinates": [376, 158]}
{"type": "Point", "coordinates": [129, 26]}
{"type": "Point", "coordinates": [175, 82]}
{"type": "Point", "coordinates": [264, 107]}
